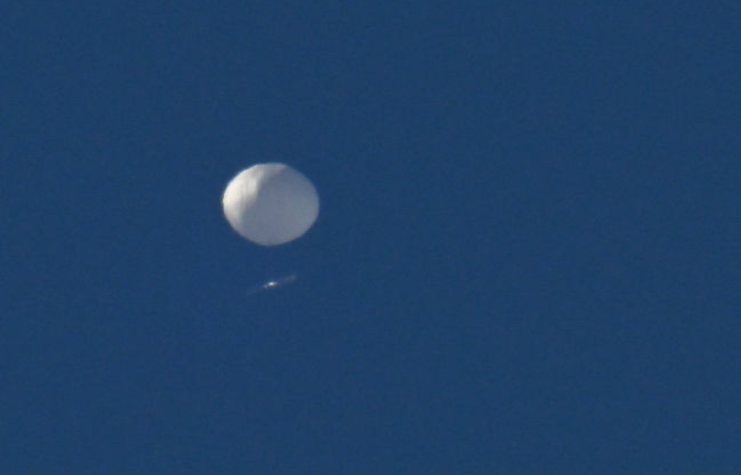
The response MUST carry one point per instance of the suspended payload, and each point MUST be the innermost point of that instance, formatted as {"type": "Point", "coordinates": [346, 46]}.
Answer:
{"type": "Point", "coordinates": [271, 204]}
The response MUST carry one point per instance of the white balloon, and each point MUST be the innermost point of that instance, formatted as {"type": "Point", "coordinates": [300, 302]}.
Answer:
{"type": "Point", "coordinates": [271, 204]}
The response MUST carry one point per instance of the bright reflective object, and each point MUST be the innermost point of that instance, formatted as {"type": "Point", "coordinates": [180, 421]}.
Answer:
{"type": "Point", "coordinates": [271, 204]}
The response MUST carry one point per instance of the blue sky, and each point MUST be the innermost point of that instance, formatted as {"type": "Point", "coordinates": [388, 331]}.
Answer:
{"type": "Point", "coordinates": [527, 258]}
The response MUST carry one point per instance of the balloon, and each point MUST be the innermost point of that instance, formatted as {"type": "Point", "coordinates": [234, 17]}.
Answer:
{"type": "Point", "coordinates": [270, 204]}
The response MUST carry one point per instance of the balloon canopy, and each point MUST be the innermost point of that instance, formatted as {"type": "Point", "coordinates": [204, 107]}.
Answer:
{"type": "Point", "coordinates": [271, 204]}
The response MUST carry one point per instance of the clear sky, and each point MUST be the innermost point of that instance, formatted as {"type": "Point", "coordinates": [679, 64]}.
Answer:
{"type": "Point", "coordinates": [526, 261]}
